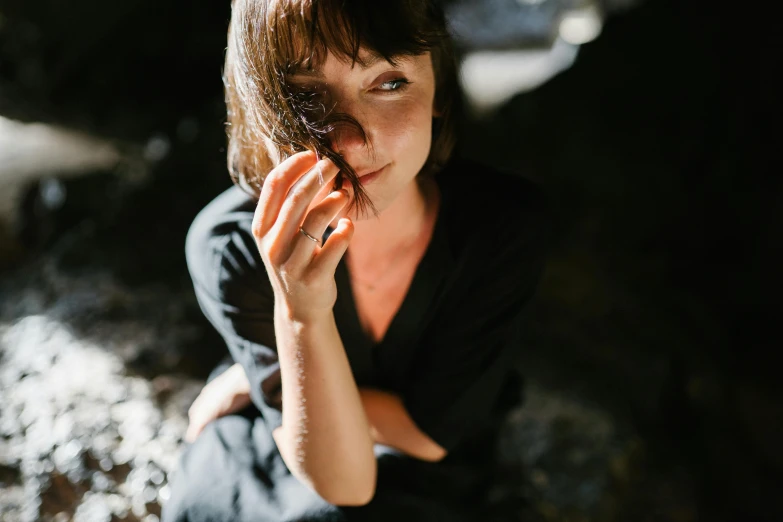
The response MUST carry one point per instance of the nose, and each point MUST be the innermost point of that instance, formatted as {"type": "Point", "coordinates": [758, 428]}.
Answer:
{"type": "Point", "coordinates": [347, 138]}
{"type": "Point", "coordinates": [350, 133]}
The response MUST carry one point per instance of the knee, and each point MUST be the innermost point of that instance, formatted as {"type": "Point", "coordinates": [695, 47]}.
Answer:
{"type": "Point", "coordinates": [196, 486]}
{"type": "Point", "coordinates": [194, 499]}
{"type": "Point", "coordinates": [188, 502]}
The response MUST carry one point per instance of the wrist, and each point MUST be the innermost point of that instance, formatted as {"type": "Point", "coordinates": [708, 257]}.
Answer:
{"type": "Point", "coordinates": [301, 319]}
{"type": "Point", "coordinates": [288, 311]}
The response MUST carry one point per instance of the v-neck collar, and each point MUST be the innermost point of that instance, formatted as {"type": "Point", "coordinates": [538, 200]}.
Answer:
{"type": "Point", "coordinates": [414, 311]}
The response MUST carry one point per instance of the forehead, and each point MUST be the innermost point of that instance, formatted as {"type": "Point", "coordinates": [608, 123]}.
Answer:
{"type": "Point", "coordinates": [296, 37]}
{"type": "Point", "coordinates": [365, 59]}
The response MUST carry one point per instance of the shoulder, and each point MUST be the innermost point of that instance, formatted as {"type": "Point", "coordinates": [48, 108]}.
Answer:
{"type": "Point", "coordinates": [219, 248]}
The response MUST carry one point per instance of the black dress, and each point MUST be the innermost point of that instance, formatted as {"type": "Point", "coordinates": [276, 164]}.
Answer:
{"type": "Point", "coordinates": [447, 352]}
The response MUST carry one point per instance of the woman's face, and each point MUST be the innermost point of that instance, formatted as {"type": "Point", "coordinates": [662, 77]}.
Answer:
{"type": "Point", "coordinates": [394, 106]}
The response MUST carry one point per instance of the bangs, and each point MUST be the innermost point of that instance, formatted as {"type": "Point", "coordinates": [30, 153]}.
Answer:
{"type": "Point", "coordinates": [303, 31]}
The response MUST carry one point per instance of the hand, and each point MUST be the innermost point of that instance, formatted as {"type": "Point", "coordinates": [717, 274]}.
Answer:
{"type": "Point", "coordinates": [227, 393]}
{"type": "Point", "coordinates": [301, 271]}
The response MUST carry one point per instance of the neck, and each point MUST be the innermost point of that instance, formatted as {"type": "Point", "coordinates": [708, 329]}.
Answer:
{"type": "Point", "coordinates": [397, 226]}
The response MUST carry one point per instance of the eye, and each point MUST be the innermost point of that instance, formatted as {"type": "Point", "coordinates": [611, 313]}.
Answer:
{"type": "Point", "coordinates": [309, 97]}
{"type": "Point", "coordinates": [305, 91]}
{"type": "Point", "coordinates": [397, 84]}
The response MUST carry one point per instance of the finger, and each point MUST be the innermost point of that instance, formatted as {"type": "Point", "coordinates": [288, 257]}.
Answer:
{"type": "Point", "coordinates": [329, 256]}
{"type": "Point", "coordinates": [315, 224]}
{"type": "Point", "coordinates": [276, 185]}
{"type": "Point", "coordinates": [320, 216]}
{"type": "Point", "coordinates": [301, 196]}
{"type": "Point", "coordinates": [322, 194]}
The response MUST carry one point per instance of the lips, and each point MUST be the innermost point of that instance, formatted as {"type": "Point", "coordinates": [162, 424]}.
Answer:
{"type": "Point", "coordinates": [370, 177]}
{"type": "Point", "coordinates": [366, 172]}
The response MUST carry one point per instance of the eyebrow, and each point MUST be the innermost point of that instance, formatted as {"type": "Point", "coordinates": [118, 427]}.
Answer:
{"type": "Point", "coordinates": [369, 61]}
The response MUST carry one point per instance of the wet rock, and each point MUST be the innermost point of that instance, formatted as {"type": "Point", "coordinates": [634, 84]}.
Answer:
{"type": "Point", "coordinates": [92, 442]}
{"type": "Point", "coordinates": [143, 82]}
{"type": "Point", "coordinates": [9, 475]}
{"type": "Point", "coordinates": [13, 503]}
{"type": "Point", "coordinates": [61, 495]}
{"type": "Point", "coordinates": [561, 458]}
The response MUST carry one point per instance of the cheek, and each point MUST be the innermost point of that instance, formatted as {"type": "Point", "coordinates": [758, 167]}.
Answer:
{"type": "Point", "coordinates": [408, 132]}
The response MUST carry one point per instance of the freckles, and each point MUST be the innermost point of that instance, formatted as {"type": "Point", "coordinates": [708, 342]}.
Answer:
{"type": "Point", "coordinates": [406, 119]}
{"type": "Point", "coordinates": [395, 123]}
{"type": "Point", "coordinates": [409, 133]}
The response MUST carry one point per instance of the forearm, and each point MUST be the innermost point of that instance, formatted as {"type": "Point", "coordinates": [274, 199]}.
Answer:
{"type": "Point", "coordinates": [391, 425]}
{"type": "Point", "coordinates": [325, 437]}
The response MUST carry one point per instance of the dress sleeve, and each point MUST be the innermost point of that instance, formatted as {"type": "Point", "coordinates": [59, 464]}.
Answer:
{"type": "Point", "coordinates": [235, 294]}
{"type": "Point", "coordinates": [475, 340]}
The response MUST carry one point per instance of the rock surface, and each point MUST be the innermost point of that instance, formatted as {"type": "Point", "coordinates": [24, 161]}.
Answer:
{"type": "Point", "coordinates": [83, 435]}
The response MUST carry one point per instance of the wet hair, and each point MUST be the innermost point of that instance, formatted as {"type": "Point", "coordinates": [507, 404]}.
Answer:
{"type": "Point", "coordinates": [268, 120]}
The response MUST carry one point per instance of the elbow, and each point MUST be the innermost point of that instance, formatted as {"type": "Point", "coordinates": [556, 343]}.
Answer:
{"type": "Point", "coordinates": [434, 457]}
{"type": "Point", "coordinates": [357, 490]}
{"type": "Point", "coordinates": [431, 452]}
{"type": "Point", "coordinates": [353, 494]}
{"type": "Point", "coordinates": [355, 499]}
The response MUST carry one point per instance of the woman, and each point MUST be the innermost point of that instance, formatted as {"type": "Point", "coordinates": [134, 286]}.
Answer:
{"type": "Point", "coordinates": [362, 275]}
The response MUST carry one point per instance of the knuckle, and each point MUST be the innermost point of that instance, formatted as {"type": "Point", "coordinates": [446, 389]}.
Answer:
{"type": "Point", "coordinates": [264, 247]}
{"type": "Point", "coordinates": [269, 251]}
{"type": "Point", "coordinates": [274, 255]}
{"type": "Point", "coordinates": [319, 215]}
{"type": "Point", "coordinates": [339, 198]}
{"type": "Point", "coordinates": [311, 280]}
{"type": "Point", "coordinates": [326, 211]}
{"type": "Point", "coordinates": [298, 194]}
{"type": "Point", "coordinates": [257, 226]}
{"type": "Point", "coordinates": [257, 230]}
{"type": "Point", "coordinates": [274, 181]}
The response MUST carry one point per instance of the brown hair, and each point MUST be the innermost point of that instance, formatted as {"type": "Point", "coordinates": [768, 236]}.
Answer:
{"type": "Point", "coordinates": [268, 39]}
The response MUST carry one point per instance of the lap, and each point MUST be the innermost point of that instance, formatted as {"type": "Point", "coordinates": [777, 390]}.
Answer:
{"type": "Point", "coordinates": [233, 472]}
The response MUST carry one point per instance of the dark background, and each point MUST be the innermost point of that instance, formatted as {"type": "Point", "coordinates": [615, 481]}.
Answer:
{"type": "Point", "coordinates": [659, 150]}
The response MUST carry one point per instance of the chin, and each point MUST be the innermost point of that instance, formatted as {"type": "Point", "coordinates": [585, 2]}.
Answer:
{"type": "Point", "coordinates": [380, 201]}
{"type": "Point", "coordinates": [355, 216]}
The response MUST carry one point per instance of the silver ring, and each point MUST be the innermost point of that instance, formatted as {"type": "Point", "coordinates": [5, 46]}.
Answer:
{"type": "Point", "coordinates": [308, 236]}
